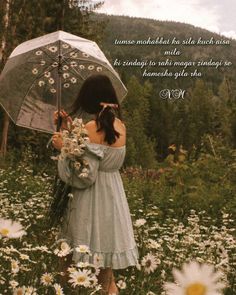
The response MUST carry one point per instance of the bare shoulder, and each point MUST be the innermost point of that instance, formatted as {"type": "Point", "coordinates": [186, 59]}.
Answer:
{"type": "Point", "coordinates": [121, 123]}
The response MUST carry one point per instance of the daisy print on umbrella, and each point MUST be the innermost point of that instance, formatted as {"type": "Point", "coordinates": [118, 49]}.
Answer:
{"type": "Point", "coordinates": [72, 64]}
{"type": "Point", "coordinates": [45, 74]}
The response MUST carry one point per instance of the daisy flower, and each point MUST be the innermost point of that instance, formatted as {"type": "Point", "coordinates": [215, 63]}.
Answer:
{"type": "Point", "coordinates": [195, 279]}
{"type": "Point", "coordinates": [80, 278]}
{"type": "Point", "coordinates": [82, 264]}
{"type": "Point", "coordinates": [140, 222]}
{"type": "Point", "coordinates": [66, 85]}
{"type": "Point", "coordinates": [30, 291]}
{"type": "Point", "coordinates": [64, 45]}
{"type": "Point", "coordinates": [35, 71]}
{"type": "Point", "coordinates": [46, 279]}
{"type": "Point", "coordinates": [66, 75]}
{"type": "Point", "coordinates": [73, 64]}
{"type": "Point", "coordinates": [38, 52]}
{"type": "Point", "coordinates": [65, 67]}
{"type": "Point", "coordinates": [55, 64]}
{"type": "Point", "coordinates": [53, 48]}
{"type": "Point", "coordinates": [99, 69]}
{"type": "Point", "coordinates": [58, 289]}
{"type": "Point", "coordinates": [64, 250]}
{"type": "Point", "coordinates": [85, 54]}
{"type": "Point", "coordinates": [90, 67]}
{"type": "Point", "coordinates": [82, 249]}
{"type": "Point", "coordinates": [11, 229]}
{"type": "Point", "coordinates": [73, 54]}
{"type": "Point", "coordinates": [19, 291]}
{"type": "Point", "coordinates": [121, 284]}
{"type": "Point", "coordinates": [41, 83]}
{"type": "Point", "coordinates": [13, 283]}
{"type": "Point", "coordinates": [73, 80]}
{"type": "Point", "coordinates": [53, 90]}
{"type": "Point", "coordinates": [51, 81]}
{"type": "Point", "coordinates": [150, 263]}
{"type": "Point", "coordinates": [42, 62]}
{"type": "Point", "coordinates": [15, 266]}
{"type": "Point", "coordinates": [47, 74]}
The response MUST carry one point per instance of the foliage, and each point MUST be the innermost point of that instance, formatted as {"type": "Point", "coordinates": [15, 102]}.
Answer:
{"type": "Point", "coordinates": [181, 212]}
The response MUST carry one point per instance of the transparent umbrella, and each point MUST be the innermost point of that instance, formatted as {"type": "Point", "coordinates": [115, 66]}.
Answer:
{"type": "Point", "coordinates": [45, 74]}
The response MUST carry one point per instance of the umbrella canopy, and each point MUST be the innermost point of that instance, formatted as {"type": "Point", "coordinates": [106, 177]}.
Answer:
{"type": "Point", "coordinates": [45, 74]}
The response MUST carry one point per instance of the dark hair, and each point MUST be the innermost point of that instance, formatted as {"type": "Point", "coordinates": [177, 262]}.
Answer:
{"type": "Point", "coordinates": [95, 89]}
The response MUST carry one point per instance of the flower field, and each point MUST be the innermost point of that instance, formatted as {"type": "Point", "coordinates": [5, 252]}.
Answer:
{"type": "Point", "coordinates": [177, 218]}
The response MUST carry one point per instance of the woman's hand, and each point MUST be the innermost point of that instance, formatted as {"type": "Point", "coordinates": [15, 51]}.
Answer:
{"type": "Point", "coordinates": [66, 120]}
{"type": "Point", "coordinates": [57, 140]}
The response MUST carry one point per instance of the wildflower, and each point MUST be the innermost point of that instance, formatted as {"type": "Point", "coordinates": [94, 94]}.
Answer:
{"type": "Point", "coordinates": [11, 229]}
{"type": "Point", "coordinates": [121, 284]}
{"type": "Point", "coordinates": [140, 222]}
{"type": "Point", "coordinates": [80, 278]}
{"type": "Point", "coordinates": [195, 279]}
{"type": "Point", "coordinates": [46, 279]}
{"type": "Point", "coordinates": [65, 250]}
{"type": "Point", "coordinates": [58, 289]}
{"type": "Point", "coordinates": [82, 249]}
{"type": "Point", "coordinates": [150, 263]}
{"type": "Point", "coordinates": [15, 266]}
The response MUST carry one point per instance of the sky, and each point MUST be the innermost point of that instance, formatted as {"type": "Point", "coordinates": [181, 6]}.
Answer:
{"type": "Point", "coordinates": [214, 15]}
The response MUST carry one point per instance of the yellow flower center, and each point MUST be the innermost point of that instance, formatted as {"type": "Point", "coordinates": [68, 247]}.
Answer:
{"type": "Point", "coordinates": [80, 279]}
{"type": "Point", "coordinates": [4, 231]}
{"type": "Point", "coordinates": [196, 289]}
{"type": "Point", "coordinates": [19, 292]}
{"type": "Point", "coordinates": [47, 279]}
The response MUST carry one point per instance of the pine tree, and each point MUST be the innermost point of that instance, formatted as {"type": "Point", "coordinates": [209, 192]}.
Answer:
{"type": "Point", "coordinates": [140, 148]}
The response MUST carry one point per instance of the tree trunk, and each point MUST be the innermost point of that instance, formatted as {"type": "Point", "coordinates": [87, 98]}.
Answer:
{"type": "Point", "coordinates": [2, 61]}
{"type": "Point", "coordinates": [3, 149]}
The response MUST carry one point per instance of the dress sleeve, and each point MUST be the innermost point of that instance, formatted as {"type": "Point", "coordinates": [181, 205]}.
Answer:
{"type": "Point", "coordinates": [93, 154]}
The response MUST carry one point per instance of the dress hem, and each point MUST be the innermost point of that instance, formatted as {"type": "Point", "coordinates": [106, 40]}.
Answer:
{"type": "Point", "coordinates": [114, 260]}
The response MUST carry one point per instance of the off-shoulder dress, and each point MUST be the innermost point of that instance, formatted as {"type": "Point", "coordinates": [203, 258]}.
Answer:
{"type": "Point", "coordinates": [98, 215]}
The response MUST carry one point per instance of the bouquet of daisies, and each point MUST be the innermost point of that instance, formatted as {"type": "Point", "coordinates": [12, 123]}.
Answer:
{"type": "Point", "coordinates": [73, 148]}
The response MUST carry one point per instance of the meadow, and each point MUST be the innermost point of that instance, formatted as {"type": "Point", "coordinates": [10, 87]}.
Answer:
{"type": "Point", "coordinates": [182, 212]}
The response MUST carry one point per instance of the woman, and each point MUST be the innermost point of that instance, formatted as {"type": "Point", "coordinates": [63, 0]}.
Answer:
{"type": "Point", "coordinates": [98, 214]}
